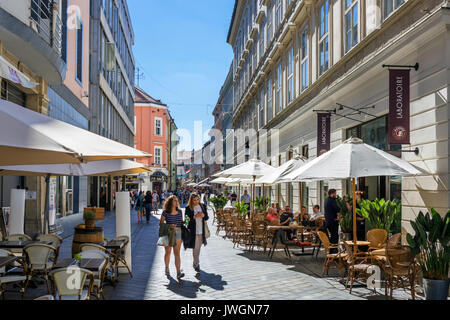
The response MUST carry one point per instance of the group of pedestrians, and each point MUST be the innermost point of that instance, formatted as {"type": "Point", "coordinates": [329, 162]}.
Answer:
{"type": "Point", "coordinates": [145, 203]}
{"type": "Point", "coordinates": [196, 215]}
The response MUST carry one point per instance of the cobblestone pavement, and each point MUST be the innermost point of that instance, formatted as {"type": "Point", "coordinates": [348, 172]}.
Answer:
{"type": "Point", "coordinates": [227, 273]}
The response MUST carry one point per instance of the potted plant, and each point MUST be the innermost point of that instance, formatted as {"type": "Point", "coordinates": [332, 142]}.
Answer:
{"type": "Point", "coordinates": [89, 219]}
{"type": "Point", "coordinates": [431, 245]}
{"type": "Point", "coordinates": [262, 203]}
{"type": "Point", "coordinates": [346, 222]}
{"type": "Point", "coordinates": [379, 213]}
{"type": "Point", "coordinates": [219, 202]}
{"type": "Point", "coordinates": [241, 208]}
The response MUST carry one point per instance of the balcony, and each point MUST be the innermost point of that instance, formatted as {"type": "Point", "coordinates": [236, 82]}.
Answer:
{"type": "Point", "coordinates": [32, 31]}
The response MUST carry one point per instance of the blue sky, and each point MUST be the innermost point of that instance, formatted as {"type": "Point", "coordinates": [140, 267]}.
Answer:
{"type": "Point", "coordinates": [181, 49]}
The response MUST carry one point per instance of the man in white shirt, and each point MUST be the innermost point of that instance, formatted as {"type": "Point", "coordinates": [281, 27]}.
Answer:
{"type": "Point", "coordinates": [317, 213]}
{"type": "Point", "coordinates": [246, 198]}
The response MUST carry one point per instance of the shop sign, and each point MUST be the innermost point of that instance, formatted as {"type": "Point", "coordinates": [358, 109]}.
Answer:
{"type": "Point", "coordinates": [323, 133]}
{"type": "Point", "coordinates": [399, 97]}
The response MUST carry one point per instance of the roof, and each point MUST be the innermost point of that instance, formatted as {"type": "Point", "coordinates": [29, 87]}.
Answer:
{"type": "Point", "coordinates": [142, 97]}
{"type": "Point", "coordinates": [232, 20]}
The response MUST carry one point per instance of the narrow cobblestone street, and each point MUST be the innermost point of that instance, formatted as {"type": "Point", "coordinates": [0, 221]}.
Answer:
{"type": "Point", "coordinates": [227, 272]}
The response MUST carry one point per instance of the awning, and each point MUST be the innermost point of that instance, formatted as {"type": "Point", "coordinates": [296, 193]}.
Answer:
{"type": "Point", "coordinates": [158, 176]}
{"type": "Point", "coordinates": [11, 73]}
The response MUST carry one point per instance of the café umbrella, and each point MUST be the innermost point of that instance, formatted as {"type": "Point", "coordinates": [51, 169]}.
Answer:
{"type": "Point", "coordinates": [114, 167]}
{"type": "Point", "coordinates": [30, 138]}
{"type": "Point", "coordinates": [350, 160]}
{"type": "Point", "coordinates": [251, 169]}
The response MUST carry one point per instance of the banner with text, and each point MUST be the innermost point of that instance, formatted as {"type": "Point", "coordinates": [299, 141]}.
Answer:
{"type": "Point", "coordinates": [323, 133]}
{"type": "Point", "coordinates": [398, 124]}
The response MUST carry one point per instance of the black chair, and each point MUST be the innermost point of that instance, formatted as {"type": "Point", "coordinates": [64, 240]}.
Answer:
{"type": "Point", "coordinates": [280, 237]}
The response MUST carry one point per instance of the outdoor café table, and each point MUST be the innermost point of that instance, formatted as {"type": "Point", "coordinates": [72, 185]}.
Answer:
{"type": "Point", "coordinates": [20, 244]}
{"type": "Point", "coordinates": [89, 264]}
{"type": "Point", "coordinates": [114, 245]}
{"type": "Point", "coordinates": [293, 227]}
{"type": "Point", "coordinates": [4, 261]}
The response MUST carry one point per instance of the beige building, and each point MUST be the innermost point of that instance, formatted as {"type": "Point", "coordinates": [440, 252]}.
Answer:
{"type": "Point", "coordinates": [293, 57]}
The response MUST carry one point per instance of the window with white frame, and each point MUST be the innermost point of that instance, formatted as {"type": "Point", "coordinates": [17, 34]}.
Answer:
{"type": "Point", "coordinates": [323, 37]}
{"type": "Point", "coordinates": [304, 58]}
{"type": "Point", "coordinates": [278, 13]}
{"type": "Point", "coordinates": [290, 74]}
{"type": "Point", "coordinates": [158, 156]}
{"type": "Point", "coordinates": [158, 127]}
{"type": "Point", "coordinates": [269, 21]}
{"type": "Point", "coordinates": [269, 99]}
{"type": "Point", "coordinates": [261, 107]}
{"type": "Point", "coordinates": [390, 6]}
{"type": "Point", "coordinates": [351, 24]}
{"type": "Point", "coordinates": [278, 92]}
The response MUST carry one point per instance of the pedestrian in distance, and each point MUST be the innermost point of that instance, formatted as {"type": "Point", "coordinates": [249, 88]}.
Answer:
{"type": "Point", "coordinates": [173, 216]}
{"type": "Point", "coordinates": [197, 217]}
{"type": "Point", "coordinates": [148, 205]}
{"type": "Point", "coordinates": [155, 201]}
{"type": "Point", "coordinates": [140, 206]}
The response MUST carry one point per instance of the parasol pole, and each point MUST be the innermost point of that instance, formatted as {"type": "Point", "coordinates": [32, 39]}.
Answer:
{"type": "Point", "coordinates": [354, 214]}
{"type": "Point", "coordinates": [300, 200]}
{"type": "Point", "coordinates": [253, 197]}
{"type": "Point", "coordinates": [264, 195]}
{"type": "Point", "coordinates": [239, 192]}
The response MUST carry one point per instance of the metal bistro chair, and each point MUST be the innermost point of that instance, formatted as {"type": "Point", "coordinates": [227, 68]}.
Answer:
{"type": "Point", "coordinates": [38, 262]}
{"type": "Point", "coordinates": [6, 280]}
{"type": "Point", "coordinates": [120, 254]}
{"type": "Point", "coordinates": [69, 283]}
{"type": "Point", "coordinates": [99, 276]}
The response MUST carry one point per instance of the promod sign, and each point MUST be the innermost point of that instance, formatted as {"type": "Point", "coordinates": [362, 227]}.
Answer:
{"type": "Point", "coordinates": [399, 97]}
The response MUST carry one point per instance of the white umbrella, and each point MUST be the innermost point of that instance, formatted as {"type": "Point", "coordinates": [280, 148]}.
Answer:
{"type": "Point", "coordinates": [251, 169]}
{"type": "Point", "coordinates": [353, 159]}
{"type": "Point", "coordinates": [29, 138]}
{"type": "Point", "coordinates": [115, 167]}
{"type": "Point", "coordinates": [278, 176]}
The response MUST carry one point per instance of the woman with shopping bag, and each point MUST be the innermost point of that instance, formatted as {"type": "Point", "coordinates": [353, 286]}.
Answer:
{"type": "Point", "coordinates": [173, 216]}
{"type": "Point", "coordinates": [197, 215]}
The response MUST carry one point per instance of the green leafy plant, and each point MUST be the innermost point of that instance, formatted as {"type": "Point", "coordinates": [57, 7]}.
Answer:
{"type": "Point", "coordinates": [262, 203]}
{"type": "Point", "coordinates": [379, 213]}
{"type": "Point", "coordinates": [219, 202]}
{"type": "Point", "coordinates": [78, 257]}
{"type": "Point", "coordinates": [396, 226]}
{"type": "Point", "coordinates": [106, 239]}
{"type": "Point", "coordinates": [346, 222]}
{"type": "Point", "coordinates": [431, 244]}
{"type": "Point", "coordinates": [241, 208]}
{"type": "Point", "coordinates": [89, 215]}
{"type": "Point", "coordinates": [21, 238]}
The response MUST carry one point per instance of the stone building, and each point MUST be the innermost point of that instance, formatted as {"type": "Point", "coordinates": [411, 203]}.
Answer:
{"type": "Point", "coordinates": [293, 57]}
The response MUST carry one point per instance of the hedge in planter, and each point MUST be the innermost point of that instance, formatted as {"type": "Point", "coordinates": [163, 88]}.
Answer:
{"type": "Point", "coordinates": [219, 202]}
{"type": "Point", "coordinates": [379, 213]}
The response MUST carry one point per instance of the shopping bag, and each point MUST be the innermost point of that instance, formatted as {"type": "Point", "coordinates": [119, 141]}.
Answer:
{"type": "Point", "coordinates": [163, 241]}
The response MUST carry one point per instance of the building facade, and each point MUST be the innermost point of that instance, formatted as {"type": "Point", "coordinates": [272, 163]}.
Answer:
{"type": "Point", "coordinates": [155, 134]}
{"type": "Point", "coordinates": [293, 57]}
{"type": "Point", "coordinates": [111, 84]}
{"type": "Point", "coordinates": [31, 49]}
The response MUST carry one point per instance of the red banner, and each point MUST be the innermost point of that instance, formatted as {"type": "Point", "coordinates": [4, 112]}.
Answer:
{"type": "Point", "coordinates": [323, 133]}
{"type": "Point", "coordinates": [398, 123]}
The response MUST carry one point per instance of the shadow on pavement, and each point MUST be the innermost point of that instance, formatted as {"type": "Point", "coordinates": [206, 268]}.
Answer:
{"type": "Point", "coordinates": [214, 281]}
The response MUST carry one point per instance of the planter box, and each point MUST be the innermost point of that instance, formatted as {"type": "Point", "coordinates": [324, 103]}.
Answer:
{"type": "Point", "coordinates": [99, 212]}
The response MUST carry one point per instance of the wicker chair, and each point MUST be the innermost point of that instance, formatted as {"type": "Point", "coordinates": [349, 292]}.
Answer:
{"type": "Point", "coordinates": [38, 262]}
{"type": "Point", "coordinates": [69, 283]}
{"type": "Point", "coordinates": [92, 246]}
{"type": "Point", "coordinates": [358, 265]}
{"type": "Point", "coordinates": [6, 280]}
{"type": "Point", "coordinates": [336, 258]}
{"type": "Point", "coordinates": [99, 276]}
{"type": "Point", "coordinates": [377, 238]}
{"type": "Point", "coordinates": [402, 269]}
{"type": "Point", "coordinates": [56, 242]}
{"type": "Point", "coordinates": [18, 237]}
{"type": "Point", "coordinates": [120, 255]}
{"type": "Point", "coordinates": [259, 236]}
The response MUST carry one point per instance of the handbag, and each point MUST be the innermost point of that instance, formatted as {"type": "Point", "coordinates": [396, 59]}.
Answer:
{"type": "Point", "coordinates": [207, 232]}
{"type": "Point", "coordinates": [163, 241]}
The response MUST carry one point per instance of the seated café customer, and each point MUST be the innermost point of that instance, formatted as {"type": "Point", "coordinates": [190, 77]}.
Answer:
{"type": "Point", "coordinates": [316, 212]}
{"type": "Point", "coordinates": [285, 219]}
{"type": "Point", "coordinates": [272, 215]}
{"type": "Point", "coordinates": [277, 207]}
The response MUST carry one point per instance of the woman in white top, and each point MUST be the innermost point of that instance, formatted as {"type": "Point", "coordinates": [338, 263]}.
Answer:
{"type": "Point", "coordinates": [197, 215]}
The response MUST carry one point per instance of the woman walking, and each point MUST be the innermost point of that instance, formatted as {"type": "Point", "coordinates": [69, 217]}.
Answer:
{"type": "Point", "coordinates": [140, 206]}
{"type": "Point", "coordinates": [173, 216]}
{"type": "Point", "coordinates": [197, 215]}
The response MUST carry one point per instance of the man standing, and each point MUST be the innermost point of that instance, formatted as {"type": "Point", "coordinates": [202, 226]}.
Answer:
{"type": "Point", "coordinates": [155, 200]}
{"type": "Point", "coordinates": [233, 198]}
{"type": "Point", "coordinates": [332, 215]}
{"type": "Point", "coordinates": [246, 198]}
